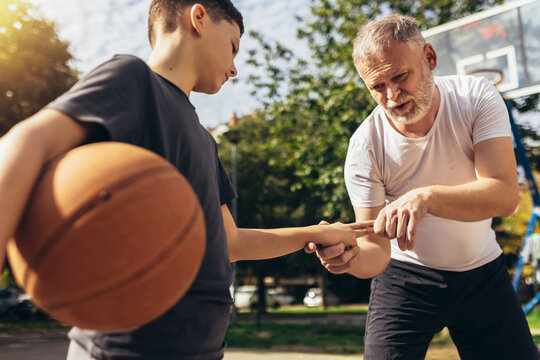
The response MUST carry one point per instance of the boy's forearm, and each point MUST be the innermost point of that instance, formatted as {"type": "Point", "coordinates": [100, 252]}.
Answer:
{"type": "Point", "coordinates": [258, 244]}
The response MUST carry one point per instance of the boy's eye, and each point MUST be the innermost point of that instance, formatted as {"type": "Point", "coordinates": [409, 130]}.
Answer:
{"type": "Point", "coordinates": [233, 49]}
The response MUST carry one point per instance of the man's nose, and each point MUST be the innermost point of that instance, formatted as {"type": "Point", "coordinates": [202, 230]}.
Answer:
{"type": "Point", "coordinates": [392, 92]}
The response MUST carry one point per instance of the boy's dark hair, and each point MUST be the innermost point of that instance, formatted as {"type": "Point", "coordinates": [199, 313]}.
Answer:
{"type": "Point", "coordinates": [167, 13]}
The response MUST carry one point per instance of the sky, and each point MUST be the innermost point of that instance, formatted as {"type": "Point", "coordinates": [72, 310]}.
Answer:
{"type": "Point", "coordinates": [99, 29]}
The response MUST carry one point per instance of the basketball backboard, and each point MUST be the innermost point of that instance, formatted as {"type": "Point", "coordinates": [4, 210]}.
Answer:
{"type": "Point", "coordinates": [505, 38]}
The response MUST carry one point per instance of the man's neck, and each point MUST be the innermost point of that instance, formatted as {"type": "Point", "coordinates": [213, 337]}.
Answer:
{"type": "Point", "coordinates": [420, 128]}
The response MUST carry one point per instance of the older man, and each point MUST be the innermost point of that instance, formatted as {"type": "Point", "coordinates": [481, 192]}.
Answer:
{"type": "Point", "coordinates": [433, 163]}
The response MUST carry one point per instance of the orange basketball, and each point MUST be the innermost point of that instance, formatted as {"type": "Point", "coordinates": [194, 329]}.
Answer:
{"type": "Point", "coordinates": [112, 237]}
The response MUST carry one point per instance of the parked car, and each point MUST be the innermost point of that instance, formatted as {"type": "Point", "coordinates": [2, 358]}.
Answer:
{"type": "Point", "coordinates": [9, 300]}
{"type": "Point", "coordinates": [281, 296]}
{"type": "Point", "coordinates": [246, 297]}
{"type": "Point", "coordinates": [16, 304]}
{"type": "Point", "coordinates": [313, 298]}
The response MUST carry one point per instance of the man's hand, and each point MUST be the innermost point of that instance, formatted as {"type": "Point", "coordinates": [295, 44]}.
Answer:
{"type": "Point", "coordinates": [400, 218]}
{"type": "Point", "coordinates": [336, 259]}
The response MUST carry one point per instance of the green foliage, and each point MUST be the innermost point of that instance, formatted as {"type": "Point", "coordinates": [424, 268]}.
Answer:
{"type": "Point", "coordinates": [316, 105]}
{"type": "Point", "coordinates": [292, 155]}
{"type": "Point", "coordinates": [34, 68]}
{"type": "Point", "coordinates": [511, 230]}
{"type": "Point", "coordinates": [6, 280]}
{"type": "Point", "coordinates": [34, 63]}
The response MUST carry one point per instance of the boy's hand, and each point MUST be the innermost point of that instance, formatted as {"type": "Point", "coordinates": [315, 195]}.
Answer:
{"type": "Point", "coordinates": [336, 258]}
{"type": "Point", "coordinates": [346, 234]}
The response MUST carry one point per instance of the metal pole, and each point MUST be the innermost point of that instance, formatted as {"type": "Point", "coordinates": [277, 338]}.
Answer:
{"type": "Point", "coordinates": [234, 205]}
{"type": "Point", "coordinates": [234, 314]}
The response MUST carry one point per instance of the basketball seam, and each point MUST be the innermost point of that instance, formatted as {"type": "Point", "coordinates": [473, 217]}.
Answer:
{"type": "Point", "coordinates": [83, 209]}
{"type": "Point", "coordinates": [138, 273]}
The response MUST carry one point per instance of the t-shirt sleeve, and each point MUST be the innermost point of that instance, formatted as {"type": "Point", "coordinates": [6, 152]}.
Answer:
{"type": "Point", "coordinates": [362, 177]}
{"type": "Point", "coordinates": [490, 115]}
{"type": "Point", "coordinates": [112, 95]}
{"type": "Point", "coordinates": [226, 190]}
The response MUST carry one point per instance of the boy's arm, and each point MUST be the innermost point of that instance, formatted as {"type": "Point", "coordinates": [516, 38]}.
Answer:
{"type": "Point", "coordinates": [23, 152]}
{"type": "Point", "coordinates": [366, 260]}
{"type": "Point", "coordinates": [257, 244]}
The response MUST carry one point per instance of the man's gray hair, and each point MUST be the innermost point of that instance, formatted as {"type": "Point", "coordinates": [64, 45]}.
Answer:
{"type": "Point", "coordinates": [377, 36]}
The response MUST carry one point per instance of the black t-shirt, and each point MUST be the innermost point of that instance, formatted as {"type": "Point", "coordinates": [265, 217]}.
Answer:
{"type": "Point", "coordinates": [137, 106]}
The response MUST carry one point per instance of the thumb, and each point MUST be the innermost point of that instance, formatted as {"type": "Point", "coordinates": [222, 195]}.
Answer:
{"type": "Point", "coordinates": [324, 222]}
{"type": "Point", "coordinates": [310, 248]}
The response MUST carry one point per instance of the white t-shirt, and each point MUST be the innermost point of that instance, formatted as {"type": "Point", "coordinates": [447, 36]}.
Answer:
{"type": "Point", "coordinates": [382, 165]}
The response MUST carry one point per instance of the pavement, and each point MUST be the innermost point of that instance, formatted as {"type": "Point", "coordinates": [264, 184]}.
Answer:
{"type": "Point", "coordinates": [53, 344]}
{"type": "Point", "coordinates": [240, 354]}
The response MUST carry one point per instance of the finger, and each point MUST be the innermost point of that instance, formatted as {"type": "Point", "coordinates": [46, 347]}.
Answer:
{"type": "Point", "coordinates": [362, 224]}
{"type": "Point", "coordinates": [391, 223]}
{"type": "Point", "coordinates": [331, 252]}
{"type": "Point", "coordinates": [323, 222]}
{"type": "Point", "coordinates": [402, 243]}
{"type": "Point", "coordinates": [363, 232]}
{"type": "Point", "coordinates": [380, 224]}
{"type": "Point", "coordinates": [343, 258]}
{"type": "Point", "coordinates": [310, 247]}
{"type": "Point", "coordinates": [338, 269]}
{"type": "Point", "coordinates": [401, 229]}
{"type": "Point", "coordinates": [411, 232]}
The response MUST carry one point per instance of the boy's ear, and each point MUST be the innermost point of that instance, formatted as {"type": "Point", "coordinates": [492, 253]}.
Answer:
{"type": "Point", "coordinates": [198, 17]}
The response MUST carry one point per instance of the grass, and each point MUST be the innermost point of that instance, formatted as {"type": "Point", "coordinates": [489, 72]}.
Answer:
{"type": "Point", "coordinates": [331, 310]}
{"type": "Point", "coordinates": [8, 325]}
{"type": "Point", "coordinates": [533, 318]}
{"type": "Point", "coordinates": [328, 338]}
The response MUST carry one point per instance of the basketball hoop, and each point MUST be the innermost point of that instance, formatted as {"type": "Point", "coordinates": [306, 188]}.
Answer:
{"type": "Point", "coordinates": [496, 76]}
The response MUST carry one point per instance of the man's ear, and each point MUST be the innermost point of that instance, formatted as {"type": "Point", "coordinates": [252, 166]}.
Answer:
{"type": "Point", "coordinates": [197, 16]}
{"type": "Point", "coordinates": [431, 56]}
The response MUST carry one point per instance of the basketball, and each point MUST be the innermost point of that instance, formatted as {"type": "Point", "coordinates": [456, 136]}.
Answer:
{"type": "Point", "coordinates": [111, 238]}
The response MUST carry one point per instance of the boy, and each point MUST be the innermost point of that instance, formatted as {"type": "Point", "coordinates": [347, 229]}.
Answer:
{"type": "Point", "coordinates": [194, 45]}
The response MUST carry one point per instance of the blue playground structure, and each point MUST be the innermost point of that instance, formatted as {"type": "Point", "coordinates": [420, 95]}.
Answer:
{"type": "Point", "coordinates": [535, 214]}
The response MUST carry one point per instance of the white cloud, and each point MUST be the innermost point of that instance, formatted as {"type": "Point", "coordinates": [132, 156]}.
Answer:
{"type": "Point", "coordinates": [98, 29]}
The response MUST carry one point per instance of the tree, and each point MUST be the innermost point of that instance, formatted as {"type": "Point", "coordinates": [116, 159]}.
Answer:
{"type": "Point", "coordinates": [34, 68]}
{"type": "Point", "coordinates": [310, 108]}
{"type": "Point", "coordinates": [34, 63]}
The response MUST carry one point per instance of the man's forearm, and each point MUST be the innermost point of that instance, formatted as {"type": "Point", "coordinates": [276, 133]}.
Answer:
{"type": "Point", "coordinates": [373, 257]}
{"type": "Point", "coordinates": [475, 201]}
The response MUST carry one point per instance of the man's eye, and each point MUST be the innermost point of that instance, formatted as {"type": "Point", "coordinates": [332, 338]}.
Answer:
{"type": "Point", "coordinates": [401, 77]}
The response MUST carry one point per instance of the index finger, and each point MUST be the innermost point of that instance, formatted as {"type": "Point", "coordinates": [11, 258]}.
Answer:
{"type": "Point", "coordinates": [362, 224]}
{"type": "Point", "coordinates": [364, 231]}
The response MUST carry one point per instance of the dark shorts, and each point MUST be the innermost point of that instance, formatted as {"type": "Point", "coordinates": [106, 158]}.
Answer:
{"type": "Point", "coordinates": [409, 304]}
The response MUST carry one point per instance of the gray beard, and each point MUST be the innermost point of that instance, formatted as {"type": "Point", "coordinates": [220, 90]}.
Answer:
{"type": "Point", "coordinates": [422, 103]}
